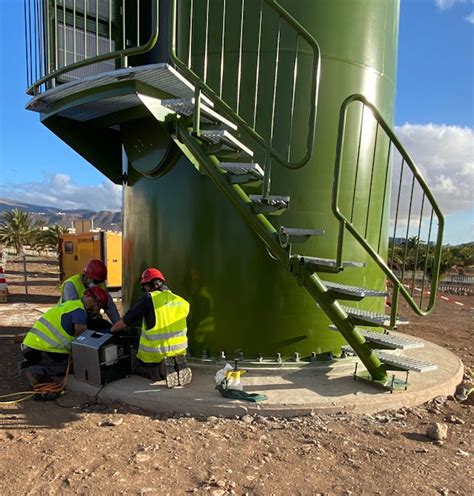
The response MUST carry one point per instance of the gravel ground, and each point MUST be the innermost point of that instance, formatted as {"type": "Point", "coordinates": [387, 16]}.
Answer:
{"type": "Point", "coordinates": [76, 446]}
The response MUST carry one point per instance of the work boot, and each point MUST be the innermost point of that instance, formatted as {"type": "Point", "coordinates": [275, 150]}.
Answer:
{"type": "Point", "coordinates": [185, 374]}
{"type": "Point", "coordinates": [171, 372]}
{"type": "Point", "coordinates": [32, 379]}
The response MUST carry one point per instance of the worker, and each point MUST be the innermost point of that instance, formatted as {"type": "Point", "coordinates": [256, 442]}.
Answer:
{"type": "Point", "coordinates": [47, 346]}
{"type": "Point", "coordinates": [163, 339]}
{"type": "Point", "coordinates": [94, 274]}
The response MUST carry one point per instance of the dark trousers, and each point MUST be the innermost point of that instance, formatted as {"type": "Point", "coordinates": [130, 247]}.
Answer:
{"type": "Point", "coordinates": [43, 366]}
{"type": "Point", "coordinates": [153, 371]}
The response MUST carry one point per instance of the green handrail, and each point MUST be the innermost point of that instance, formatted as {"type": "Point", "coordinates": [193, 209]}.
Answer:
{"type": "Point", "coordinates": [224, 107]}
{"type": "Point", "coordinates": [345, 223]}
{"type": "Point", "coordinates": [47, 42]}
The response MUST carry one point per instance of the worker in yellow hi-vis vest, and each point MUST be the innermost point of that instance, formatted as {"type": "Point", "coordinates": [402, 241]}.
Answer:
{"type": "Point", "coordinates": [94, 274]}
{"type": "Point", "coordinates": [47, 345]}
{"type": "Point", "coordinates": [163, 340]}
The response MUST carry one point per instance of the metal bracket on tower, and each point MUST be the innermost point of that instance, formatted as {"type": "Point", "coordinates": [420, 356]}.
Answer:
{"type": "Point", "coordinates": [297, 269]}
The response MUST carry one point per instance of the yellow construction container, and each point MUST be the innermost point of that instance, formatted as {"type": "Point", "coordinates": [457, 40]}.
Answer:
{"type": "Point", "coordinates": [78, 249]}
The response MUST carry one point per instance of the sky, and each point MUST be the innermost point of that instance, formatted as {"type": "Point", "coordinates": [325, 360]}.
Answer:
{"type": "Point", "coordinates": [434, 118]}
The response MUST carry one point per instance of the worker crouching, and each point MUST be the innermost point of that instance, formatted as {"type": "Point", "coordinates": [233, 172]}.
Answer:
{"type": "Point", "coordinates": [47, 346]}
{"type": "Point", "coordinates": [94, 274]}
{"type": "Point", "coordinates": [163, 340]}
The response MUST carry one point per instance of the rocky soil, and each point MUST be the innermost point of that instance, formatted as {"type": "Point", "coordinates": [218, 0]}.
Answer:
{"type": "Point", "coordinates": [78, 446]}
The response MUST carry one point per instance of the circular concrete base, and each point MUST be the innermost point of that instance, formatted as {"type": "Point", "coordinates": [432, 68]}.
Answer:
{"type": "Point", "coordinates": [319, 388]}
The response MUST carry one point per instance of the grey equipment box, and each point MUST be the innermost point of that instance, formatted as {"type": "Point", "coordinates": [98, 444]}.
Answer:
{"type": "Point", "coordinates": [99, 358]}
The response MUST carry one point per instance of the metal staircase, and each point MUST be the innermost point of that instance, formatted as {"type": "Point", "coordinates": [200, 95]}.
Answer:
{"type": "Point", "coordinates": [326, 294]}
{"type": "Point", "coordinates": [209, 140]}
{"type": "Point", "coordinates": [235, 149]}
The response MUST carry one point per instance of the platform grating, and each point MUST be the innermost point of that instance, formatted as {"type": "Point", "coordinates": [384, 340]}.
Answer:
{"type": "Point", "coordinates": [371, 317]}
{"type": "Point", "coordinates": [329, 262]}
{"type": "Point", "coordinates": [405, 363]}
{"type": "Point", "coordinates": [387, 340]}
{"type": "Point", "coordinates": [223, 136]}
{"type": "Point", "coordinates": [241, 169]}
{"type": "Point", "coordinates": [353, 290]}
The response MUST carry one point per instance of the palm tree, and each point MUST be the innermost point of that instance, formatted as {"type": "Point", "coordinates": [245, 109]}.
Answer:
{"type": "Point", "coordinates": [16, 229]}
{"type": "Point", "coordinates": [49, 238]}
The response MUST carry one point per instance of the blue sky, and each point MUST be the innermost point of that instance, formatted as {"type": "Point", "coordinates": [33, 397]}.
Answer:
{"type": "Point", "coordinates": [434, 117]}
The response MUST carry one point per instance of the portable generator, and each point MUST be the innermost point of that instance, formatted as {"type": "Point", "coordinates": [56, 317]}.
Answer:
{"type": "Point", "coordinates": [99, 358]}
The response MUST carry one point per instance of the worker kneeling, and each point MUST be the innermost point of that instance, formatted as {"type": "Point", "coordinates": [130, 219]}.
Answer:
{"type": "Point", "coordinates": [47, 346]}
{"type": "Point", "coordinates": [163, 340]}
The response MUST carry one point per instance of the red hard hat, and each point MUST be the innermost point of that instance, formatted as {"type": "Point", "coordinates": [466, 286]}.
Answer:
{"type": "Point", "coordinates": [150, 274]}
{"type": "Point", "coordinates": [99, 295]}
{"type": "Point", "coordinates": [96, 269]}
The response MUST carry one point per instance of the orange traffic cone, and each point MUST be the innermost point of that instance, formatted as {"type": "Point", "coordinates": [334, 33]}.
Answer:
{"type": "Point", "coordinates": [3, 286]}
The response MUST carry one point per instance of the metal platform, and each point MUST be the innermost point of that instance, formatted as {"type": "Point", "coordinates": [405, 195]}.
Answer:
{"type": "Point", "coordinates": [161, 77]}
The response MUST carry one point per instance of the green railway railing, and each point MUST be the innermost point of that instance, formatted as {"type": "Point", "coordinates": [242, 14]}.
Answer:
{"type": "Point", "coordinates": [195, 60]}
{"type": "Point", "coordinates": [70, 39]}
{"type": "Point", "coordinates": [408, 206]}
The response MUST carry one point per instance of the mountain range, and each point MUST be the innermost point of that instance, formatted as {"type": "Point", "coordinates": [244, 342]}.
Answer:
{"type": "Point", "coordinates": [105, 219]}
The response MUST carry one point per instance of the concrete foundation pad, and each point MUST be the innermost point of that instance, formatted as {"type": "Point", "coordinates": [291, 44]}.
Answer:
{"type": "Point", "coordinates": [291, 391]}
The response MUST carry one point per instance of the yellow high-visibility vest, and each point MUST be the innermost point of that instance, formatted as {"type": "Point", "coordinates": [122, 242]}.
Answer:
{"type": "Point", "coordinates": [47, 334]}
{"type": "Point", "coordinates": [168, 337]}
{"type": "Point", "coordinates": [76, 280]}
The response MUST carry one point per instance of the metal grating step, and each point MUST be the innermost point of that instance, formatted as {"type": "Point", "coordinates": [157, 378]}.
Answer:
{"type": "Point", "coordinates": [352, 291]}
{"type": "Point", "coordinates": [396, 361]}
{"type": "Point", "coordinates": [288, 235]}
{"type": "Point", "coordinates": [186, 107]}
{"type": "Point", "coordinates": [329, 262]}
{"type": "Point", "coordinates": [387, 340]}
{"type": "Point", "coordinates": [270, 204]}
{"type": "Point", "coordinates": [391, 341]}
{"type": "Point", "coordinates": [222, 136]}
{"type": "Point", "coordinates": [240, 172]}
{"type": "Point", "coordinates": [371, 318]}
{"type": "Point", "coordinates": [404, 363]}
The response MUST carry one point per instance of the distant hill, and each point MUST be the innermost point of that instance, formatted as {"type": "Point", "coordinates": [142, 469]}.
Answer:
{"type": "Point", "coordinates": [104, 219]}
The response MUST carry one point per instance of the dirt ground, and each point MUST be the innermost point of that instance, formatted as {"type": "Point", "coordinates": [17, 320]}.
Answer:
{"type": "Point", "coordinates": [77, 446]}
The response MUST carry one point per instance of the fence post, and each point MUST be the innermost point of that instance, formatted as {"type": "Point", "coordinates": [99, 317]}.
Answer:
{"type": "Point", "coordinates": [25, 277]}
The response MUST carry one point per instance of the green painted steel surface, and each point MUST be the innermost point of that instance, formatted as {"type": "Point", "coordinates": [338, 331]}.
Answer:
{"type": "Point", "coordinates": [241, 299]}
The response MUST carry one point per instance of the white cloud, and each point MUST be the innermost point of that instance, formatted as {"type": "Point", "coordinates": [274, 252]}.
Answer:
{"type": "Point", "coordinates": [470, 18]}
{"type": "Point", "coordinates": [447, 4]}
{"type": "Point", "coordinates": [445, 156]}
{"type": "Point", "coordinates": [61, 192]}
